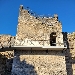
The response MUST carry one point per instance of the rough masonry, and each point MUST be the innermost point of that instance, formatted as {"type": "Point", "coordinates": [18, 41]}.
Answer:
{"type": "Point", "coordinates": [39, 47]}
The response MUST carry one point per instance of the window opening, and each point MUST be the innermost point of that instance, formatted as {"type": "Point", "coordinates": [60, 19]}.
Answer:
{"type": "Point", "coordinates": [53, 39]}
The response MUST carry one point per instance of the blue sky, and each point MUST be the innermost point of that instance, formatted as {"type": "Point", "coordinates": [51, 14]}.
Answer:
{"type": "Point", "coordinates": [9, 11]}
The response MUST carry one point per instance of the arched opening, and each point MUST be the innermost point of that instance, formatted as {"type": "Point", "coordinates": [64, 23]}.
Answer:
{"type": "Point", "coordinates": [53, 39]}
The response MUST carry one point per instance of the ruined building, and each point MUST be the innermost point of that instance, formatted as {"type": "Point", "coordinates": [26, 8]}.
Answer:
{"type": "Point", "coordinates": [39, 47]}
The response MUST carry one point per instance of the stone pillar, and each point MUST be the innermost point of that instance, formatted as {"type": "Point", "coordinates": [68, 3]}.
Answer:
{"type": "Point", "coordinates": [59, 39]}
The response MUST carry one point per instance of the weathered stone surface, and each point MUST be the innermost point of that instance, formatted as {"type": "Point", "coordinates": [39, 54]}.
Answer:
{"type": "Point", "coordinates": [6, 41]}
{"type": "Point", "coordinates": [39, 63]}
{"type": "Point", "coordinates": [6, 62]}
{"type": "Point", "coordinates": [35, 31]}
{"type": "Point", "coordinates": [71, 40]}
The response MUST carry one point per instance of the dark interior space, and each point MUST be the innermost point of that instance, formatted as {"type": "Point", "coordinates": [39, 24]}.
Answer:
{"type": "Point", "coordinates": [53, 39]}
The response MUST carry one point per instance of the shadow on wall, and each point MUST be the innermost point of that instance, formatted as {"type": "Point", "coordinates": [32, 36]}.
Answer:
{"type": "Point", "coordinates": [5, 67]}
{"type": "Point", "coordinates": [2, 64]}
{"type": "Point", "coordinates": [40, 52]}
{"type": "Point", "coordinates": [68, 58]}
{"type": "Point", "coordinates": [22, 67]}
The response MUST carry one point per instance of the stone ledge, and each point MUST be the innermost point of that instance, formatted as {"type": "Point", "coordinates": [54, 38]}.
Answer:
{"type": "Point", "coordinates": [39, 48]}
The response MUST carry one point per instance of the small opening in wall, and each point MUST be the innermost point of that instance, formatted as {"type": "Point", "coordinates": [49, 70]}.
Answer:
{"type": "Point", "coordinates": [69, 40]}
{"type": "Point", "coordinates": [46, 51]}
{"type": "Point", "coordinates": [31, 50]}
{"type": "Point", "coordinates": [31, 13]}
{"type": "Point", "coordinates": [28, 12]}
{"type": "Point", "coordinates": [53, 39]}
{"type": "Point", "coordinates": [62, 51]}
{"type": "Point", "coordinates": [36, 17]}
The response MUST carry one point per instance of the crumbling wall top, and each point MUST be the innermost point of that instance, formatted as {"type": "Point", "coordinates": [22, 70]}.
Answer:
{"type": "Point", "coordinates": [35, 27]}
{"type": "Point", "coordinates": [27, 12]}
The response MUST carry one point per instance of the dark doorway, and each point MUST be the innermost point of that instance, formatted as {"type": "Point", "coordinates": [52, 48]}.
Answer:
{"type": "Point", "coordinates": [53, 39]}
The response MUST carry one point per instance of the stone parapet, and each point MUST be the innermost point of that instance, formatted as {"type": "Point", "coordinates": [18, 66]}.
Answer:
{"type": "Point", "coordinates": [29, 42]}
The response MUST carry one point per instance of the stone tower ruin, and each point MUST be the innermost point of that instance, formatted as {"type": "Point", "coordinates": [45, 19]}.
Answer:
{"type": "Point", "coordinates": [39, 47]}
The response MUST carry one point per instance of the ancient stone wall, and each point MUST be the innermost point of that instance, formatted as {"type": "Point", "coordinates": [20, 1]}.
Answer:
{"type": "Point", "coordinates": [35, 31]}
{"type": "Point", "coordinates": [6, 60]}
{"type": "Point", "coordinates": [6, 56]}
{"type": "Point", "coordinates": [37, 28]}
{"type": "Point", "coordinates": [39, 63]}
{"type": "Point", "coordinates": [6, 41]}
{"type": "Point", "coordinates": [71, 40]}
